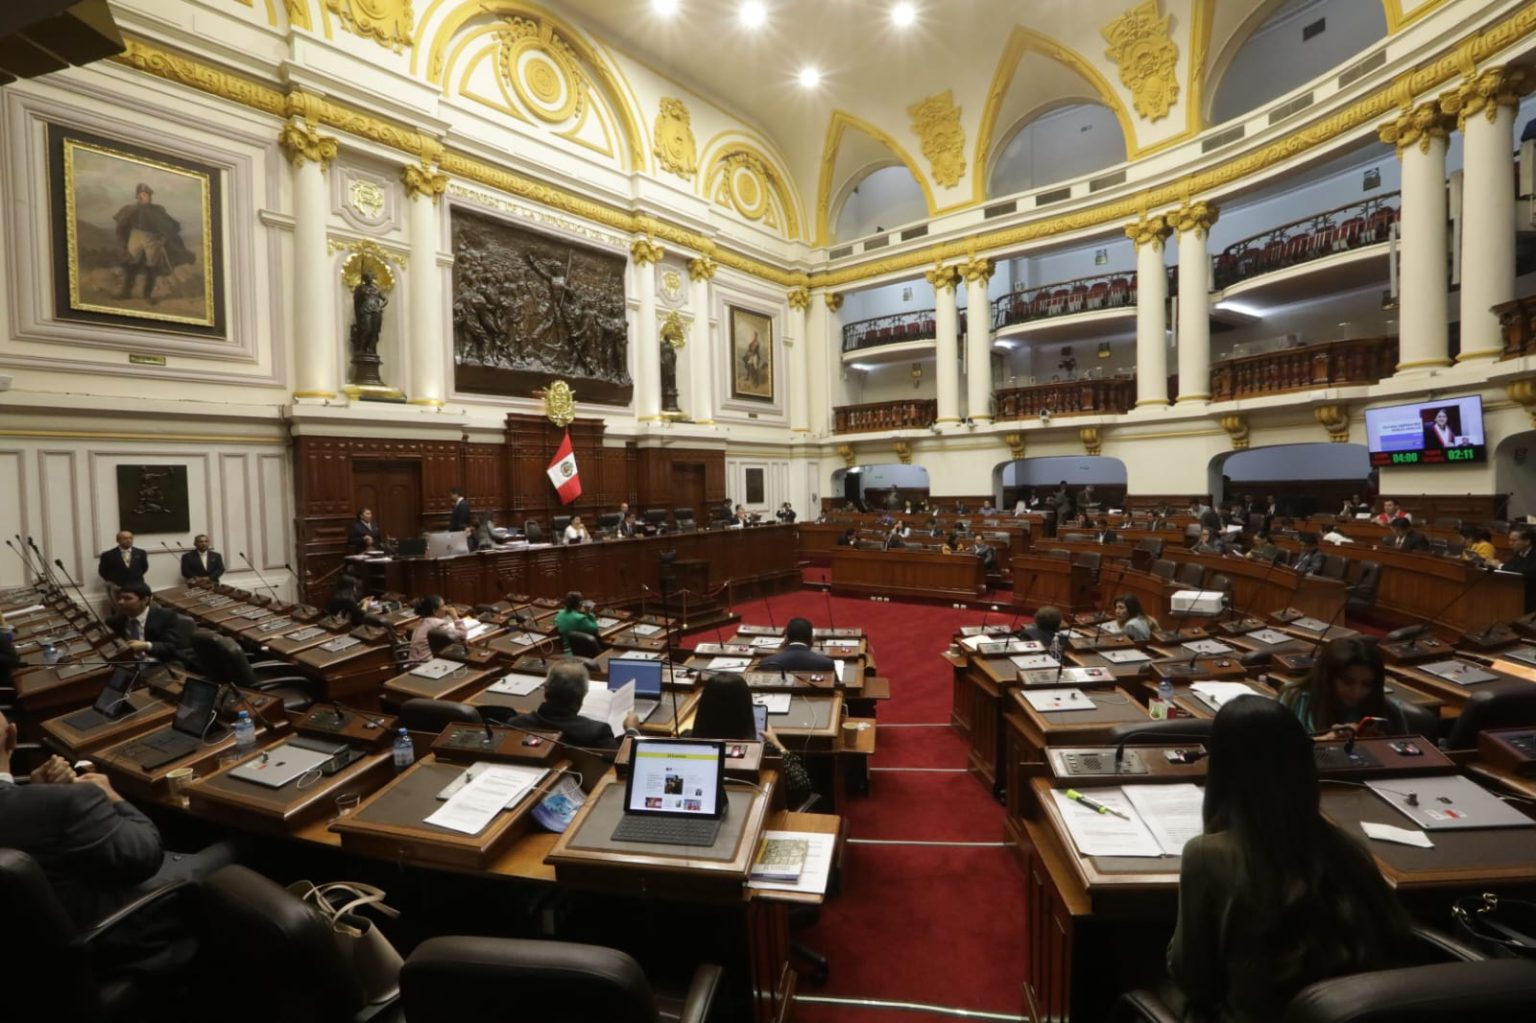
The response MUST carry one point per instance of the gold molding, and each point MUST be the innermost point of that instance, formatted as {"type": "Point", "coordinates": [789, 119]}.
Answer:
{"type": "Point", "coordinates": [702, 269]}
{"type": "Point", "coordinates": [766, 182]}
{"type": "Point", "coordinates": [1195, 216]}
{"type": "Point", "coordinates": [943, 278]}
{"type": "Point", "coordinates": [840, 122]}
{"type": "Point", "coordinates": [1523, 393]}
{"type": "Point", "coordinates": [1015, 442]}
{"type": "Point", "coordinates": [799, 299]}
{"type": "Point", "coordinates": [903, 451]}
{"type": "Point", "coordinates": [315, 394]}
{"type": "Point", "coordinates": [833, 299]}
{"type": "Point", "coordinates": [195, 438]}
{"type": "Point", "coordinates": [1237, 429]}
{"type": "Point", "coordinates": [1416, 125]}
{"type": "Point", "coordinates": [423, 180]}
{"type": "Point", "coordinates": [1092, 442]}
{"type": "Point", "coordinates": [304, 145]}
{"type": "Point", "coordinates": [977, 269]}
{"type": "Point", "coordinates": [1397, 20]}
{"type": "Point", "coordinates": [388, 22]}
{"type": "Point", "coordinates": [1485, 92]}
{"type": "Point", "coordinates": [427, 402]}
{"type": "Point", "coordinates": [936, 122]}
{"type": "Point", "coordinates": [645, 252]}
{"type": "Point", "coordinates": [1147, 229]}
{"type": "Point", "coordinates": [846, 453]}
{"type": "Point", "coordinates": [675, 150]}
{"type": "Point", "coordinates": [1334, 419]}
{"type": "Point", "coordinates": [1141, 45]}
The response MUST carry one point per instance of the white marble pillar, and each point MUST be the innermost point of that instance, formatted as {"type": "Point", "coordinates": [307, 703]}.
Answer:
{"type": "Point", "coordinates": [978, 340]}
{"type": "Point", "coordinates": [1423, 283]}
{"type": "Point", "coordinates": [426, 344]}
{"type": "Point", "coordinates": [799, 389]}
{"type": "Point", "coordinates": [1148, 234]}
{"type": "Point", "coordinates": [829, 387]}
{"type": "Point", "coordinates": [701, 367]}
{"type": "Point", "coordinates": [1484, 107]}
{"type": "Point", "coordinates": [947, 350]}
{"type": "Point", "coordinates": [646, 254]}
{"type": "Point", "coordinates": [1193, 223]}
{"type": "Point", "coordinates": [317, 346]}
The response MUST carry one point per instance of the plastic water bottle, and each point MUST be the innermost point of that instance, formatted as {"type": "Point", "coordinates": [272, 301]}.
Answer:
{"type": "Point", "coordinates": [1161, 707]}
{"type": "Point", "coordinates": [245, 731]}
{"type": "Point", "coordinates": [405, 750]}
{"type": "Point", "coordinates": [50, 652]}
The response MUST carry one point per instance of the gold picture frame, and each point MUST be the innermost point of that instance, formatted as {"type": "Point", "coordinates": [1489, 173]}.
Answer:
{"type": "Point", "coordinates": [751, 355]}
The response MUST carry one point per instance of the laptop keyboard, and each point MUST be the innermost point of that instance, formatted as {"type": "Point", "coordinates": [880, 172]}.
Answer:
{"type": "Point", "coordinates": [162, 748]}
{"type": "Point", "coordinates": [667, 830]}
{"type": "Point", "coordinates": [87, 719]}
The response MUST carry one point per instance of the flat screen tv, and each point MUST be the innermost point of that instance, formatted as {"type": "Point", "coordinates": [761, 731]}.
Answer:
{"type": "Point", "coordinates": [1446, 431]}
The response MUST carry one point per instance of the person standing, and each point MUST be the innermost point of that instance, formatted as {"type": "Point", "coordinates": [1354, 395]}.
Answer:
{"type": "Point", "coordinates": [458, 516]}
{"type": "Point", "coordinates": [364, 534]}
{"type": "Point", "coordinates": [151, 240]}
{"type": "Point", "coordinates": [122, 565]}
{"type": "Point", "coordinates": [202, 561]}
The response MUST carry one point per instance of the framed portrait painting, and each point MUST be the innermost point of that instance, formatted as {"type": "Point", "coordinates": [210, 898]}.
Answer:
{"type": "Point", "coordinates": [751, 355]}
{"type": "Point", "coordinates": [137, 236]}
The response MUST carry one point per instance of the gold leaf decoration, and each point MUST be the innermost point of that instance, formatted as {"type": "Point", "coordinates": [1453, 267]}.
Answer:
{"type": "Point", "coordinates": [423, 180]}
{"type": "Point", "coordinates": [1237, 429]}
{"type": "Point", "coordinates": [675, 149]}
{"type": "Point", "coordinates": [559, 403]}
{"type": "Point", "coordinates": [936, 120]}
{"type": "Point", "coordinates": [303, 144]}
{"type": "Point", "coordinates": [390, 22]}
{"type": "Point", "coordinates": [1141, 45]}
{"type": "Point", "coordinates": [1416, 126]}
{"type": "Point", "coordinates": [1334, 419]}
{"type": "Point", "coordinates": [542, 69]}
{"type": "Point", "coordinates": [903, 452]}
{"type": "Point", "coordinates": [1089, 435]}
{"type": "Point", "coordinates": [1486, 92]}
{"type": "Point", "coordinates": [799, 299]}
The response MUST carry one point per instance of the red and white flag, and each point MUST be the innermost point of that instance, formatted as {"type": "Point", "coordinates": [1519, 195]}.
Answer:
{"type": "Point", "coordinates": [562, 472]}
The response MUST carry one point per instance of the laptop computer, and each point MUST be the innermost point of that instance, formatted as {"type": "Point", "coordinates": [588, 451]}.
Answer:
{"type": "Point", "coordinates": [111, 703]}
{"type": "Point", "coordinates": [645, 674]}
{"type": "Point", "coordinates": [280, 765]}
{"type": "Point", "coordinates": [194, 716]}
{"type": "Point", "coordinates": [411, 546]}
{"type": "Point", "coordinates": [675, 794]}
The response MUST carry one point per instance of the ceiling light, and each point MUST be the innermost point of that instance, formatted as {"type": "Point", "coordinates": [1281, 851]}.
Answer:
{"type": "Point", "coordinates": [665, 8]}
{"type": "Point", "coordinates": [754, 14]}
{"type": "Point", "coordinates": [903, 15]}
{"type": "Point", "coordinates": [809, 78]}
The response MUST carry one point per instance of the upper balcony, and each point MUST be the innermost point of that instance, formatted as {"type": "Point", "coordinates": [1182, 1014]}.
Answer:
{"type": "Point", "coordinates": [1348, 242]}
{"type": "Point", "coordinates": [1354, 362]}
{"type": "Point", "coordinates": [1067, 310]}
{"type": "Point", "coordinates": [895, 337]}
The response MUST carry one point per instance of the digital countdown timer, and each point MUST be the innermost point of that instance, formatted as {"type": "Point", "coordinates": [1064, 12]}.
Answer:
{"type": "Point", "coordinates": [1441, 456]}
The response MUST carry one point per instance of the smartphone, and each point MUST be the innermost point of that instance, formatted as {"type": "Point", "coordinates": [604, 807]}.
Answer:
{"type": "Point", "coordinates": [760, 718]}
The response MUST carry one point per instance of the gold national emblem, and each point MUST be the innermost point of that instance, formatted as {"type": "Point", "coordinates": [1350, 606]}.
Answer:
{"type": "Point", "coordinates": [559, 403]}
{"type": "Point", "coordinates": [565, 469]}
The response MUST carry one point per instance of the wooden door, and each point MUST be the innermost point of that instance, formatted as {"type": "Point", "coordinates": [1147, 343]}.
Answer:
{"type": "Point", "coordinates": [393, 491]}
{"type": "Point", "coordinates": [688, 488]}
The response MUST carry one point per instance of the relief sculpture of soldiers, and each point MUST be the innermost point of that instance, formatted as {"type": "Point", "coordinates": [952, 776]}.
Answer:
{"type": "Point", "coordinates": [529, 309]}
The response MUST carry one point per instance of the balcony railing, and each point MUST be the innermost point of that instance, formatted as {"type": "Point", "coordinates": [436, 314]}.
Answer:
{"type": "Point", "coordinates": [915, 325]}
{"type": "Point", "coordinates": [907, 414]}
{"type": "Point", "coordinates": [1517, 321]}
{"type": "Point", "coordinates": [1322, 234]}
{"type": "Point", "coordinates": [1068, 398]}
{"type": "Point", "coordinates": [1085, 294]}
{"type": "Point", "coordinates": [1332, 364]}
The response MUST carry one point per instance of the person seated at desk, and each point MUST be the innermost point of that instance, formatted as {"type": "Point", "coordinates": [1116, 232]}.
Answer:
{"type": "Point", "coordinates": [364, 534]}
{"type": "Point", "coordinates": [433, 614]}
{"type": "Point", "coordinates": [575, 616]}
{"type": "Point", "coordinates": [785, 514]}
{"type": "Point", "coordinates": [847, 539]}
{"type": "Point", "coordinates": [1405, 538]}
{"type": "Point", "coordinates": [741, 519]}
{"type": "Point", "coordinates": [1479, 547]}
{"type": "Point", "coordinates": [1135, 624]}
{"type": "Point", "coordinates": [202, 561]}
{"type": "Point", "coordinates": [1309, 561]}
{"type": "Point", "coordinates": [1273, 897]}
{"type": "Point", "coordinates": [1210, 542]}
{"type": "Point", "coordinates": [349, 601]}
{"type": "Point", "coordinates": [1264, 548]}
{"type": "Point", "coordinates": [565, 688]}
{"type": "Point", "coordinates": [1522, 561]}
{"type": "Point", "coordinates": [951, 544]}
{"type": "Point", "coordinates": [1044, 628]}
{"type": "Point", "coordinates": [797, 654]}
{"type": "Point", "coordinates": [1353, 506]}
{"type": "Point", "coordinates": [576, 532]}
{"type": "Point", "coordinates": [935, 531]}
{"type": "Point", "coordinates": [1347, 684]}
{"type": "Point", "coordinates": [893, 540]}
{"type": "Point", "coordinates": [1104, 534]}
{"type": "Point", "coordinates": [150, 631]}
{"type": "Point", "coordinates": [987, 553]}
{"type": "Point", "coordinates": [1390, 513]}
{"type": "Point", "coordinates": [628, 526]}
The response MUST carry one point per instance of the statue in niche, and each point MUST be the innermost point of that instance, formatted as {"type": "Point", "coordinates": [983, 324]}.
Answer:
{"type": "Point", "coordinates": [668, 376]}
{"type": "Point", "coordinates": [368, 303]}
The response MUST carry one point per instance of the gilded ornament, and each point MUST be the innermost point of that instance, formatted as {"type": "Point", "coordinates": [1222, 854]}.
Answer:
{"type": "Point", "coordinates": [673, 332]}
{"type": "Point", "coordinates": [936, 120]}
{"type": "Point", "coordinates": [559, 403]}
{"type": "Point", "coordinates": [845, 452]}
{"type": "Point", "coordinates": [366, 197]}
{"type": "Point", "coordinates": [1015, 442]}
{"type": "Point", "coordinates": [423, 180]}
{"type": "Point", "coordinates": [675, 149]}
{"type": "Point", "coordinates": [1334, 419]}
{"type": "Point", "coordinates": [702, 268]}
{"type": "Point", "coordinates": [542, 69]}
{"type": "Point", "coordinates": [1237, 429]}
{"type": "Point", "coordinates": [367, 257]}
{"type": "Point", "coordinates": [903, 452]}
{"type": "Point", "coordinates": [974, 270]}
{"type": "Point", "coordinates": [1141, 44]}
{"type": "Point", "coordinates": [1194, 216]}
{"type": "Point", "coordinates": [1416, 126]}
{"type": "Point", "coordinates": [747, 185]}
{"type": "Point", "coordinates": [1148, 230]}
{"type": "Point", "coordinates": [644, 252]}
{"type": "Point", "coordinates": [942, 277]}
{"type": "Point", "coordinates": [1089, 435]}
{"type": "Point", "coordinates": [671, 285]}
{"type": "Point", "coordinates": [1486, 92]}
{"type": "Point", "coordinates": [303, 144]}
{"type": "Point", "coordinates": [298, 13]}
{"type": "Point", "coordinates": [1523, 393]}
{"type": "Point", "coordinates": [799, 299]}
{"type": "Point", "coordinates": [390, 22]}
{"type": "Point", "coordinates": [834, 300]}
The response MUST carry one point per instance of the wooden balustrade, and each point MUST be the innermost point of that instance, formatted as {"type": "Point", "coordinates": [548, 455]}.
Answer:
{"type": "Point", "coordinates": [906, 414]}
{"type": "Point", "coordinates": [914, 325]}
{"type": "Point", "coordinates": [1365, 222]}
{"type": "Point", "coordinates": [1067, 398]}
{"type": "Point", "coordinates": [1061, 298]}
{"type": "Point", "coordinates": [1333, 363]}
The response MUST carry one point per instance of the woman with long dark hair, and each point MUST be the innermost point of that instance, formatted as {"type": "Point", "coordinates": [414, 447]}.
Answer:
{"type": "Point", "coordinates": [724, 711]}
{"type": "Point", "coordinates": [1272, 897]}
{"type": "Point", "coordinates": [1135, 624]}
{"type": "Point", "coordinates": [1347, 683]}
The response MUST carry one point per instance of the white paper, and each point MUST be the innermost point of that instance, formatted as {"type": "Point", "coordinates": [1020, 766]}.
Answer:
{"type": "Point", "coordinates": [1402, 836]}
{"type": "Point", "coordinates": [1058, 699]}
{"type": "Point", "coordinates": [1270, 637]}
{"type": "Point", "coordinates": [607, 623]}
{"type": "Point", "coordinates": [972, 642]}
{"type": "Point", "coordinates": [818, 864]}
{"type": "Point", "coordinates": [610, 705]}
{"type": "Point", "coordinates": [729, 663]}
{"type": "Point", "coordinates": [26, 610]}
{"type": "Point", "coordinates": [1104, 834]}
{"type": "Point", "coordinates": [477, 630]}
{"type": "Point", "coordinates": [1124, 656]}
{"type": "Point", "coordinates": [1173, 813]}
{"type": "Point", "coordinates": [840, 668]}
{"type": "Point", "coordinates": [1032, 662]}
{"type": "Point", "coordinates": [1218, 693]}
{"type": "Point", "coordinates": [777, 703]}
{"type": "Point", "coordinates": [516, 685]}
{"type": "Point", "coordinates": [1207, 646]}
{"type": "Point", "coordinates": [844, 644]}
{"type": "Point", "coordinates": [646, 629]}
{"type": "Point", "coordinates": [477, 804]}
{"type": "Point", "coordinates": [771, 642]}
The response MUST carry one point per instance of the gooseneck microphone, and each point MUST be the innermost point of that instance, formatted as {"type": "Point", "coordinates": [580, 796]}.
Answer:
{"type": "Point", "coordinates": [265, 585]}
{"type": "Point", "coordinates": [76, 585]}
{"type": "Point", "coordinates": [1154, 738]}
{"type": "Point", "coordinates": [1426, 624]}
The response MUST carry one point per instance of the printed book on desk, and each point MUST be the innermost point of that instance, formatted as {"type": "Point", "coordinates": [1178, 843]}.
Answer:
{"type": "Point", "coordinates": [780, 859]}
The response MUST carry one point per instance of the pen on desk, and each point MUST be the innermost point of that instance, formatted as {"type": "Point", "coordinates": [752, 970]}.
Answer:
{"type": "Point", "coordinates": [1094, 804]}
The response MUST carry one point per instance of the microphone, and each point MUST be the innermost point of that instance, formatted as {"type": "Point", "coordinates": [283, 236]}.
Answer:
{"type": "Point", "coordinates": [1426, 624]}
{"type": "Point", "coordinates": [1305, 661]}
{"type": "Point", "coordinates": [76, 585]}
{"type": "Point", "coordinates": [1155, 738]}
{"type": "Point", "coordinates": [43, 563]}
{"type": "Point", "coordinates": [768, 606]}
{"type": "Point", "coordinates": [1022, 602]}
{"type": "Point", "coordinates": [827, 596]}
{"type": "Point", "coordinates": [265, 585]}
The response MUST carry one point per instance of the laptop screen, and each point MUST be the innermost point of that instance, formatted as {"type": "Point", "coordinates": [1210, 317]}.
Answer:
{"type": "Point", "coordinates": [113, 701]}
{"type": "Point", "coordinates": [195, 711]}
{"type": "Point", "coordinates": [646, 675]}
{"type": "Point", "coordinates": [677, 777]}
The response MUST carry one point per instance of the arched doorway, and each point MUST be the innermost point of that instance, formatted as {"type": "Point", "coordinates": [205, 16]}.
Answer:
{"type": "Point", "coordinates": [880, 486]}
{"type": "Point", "coordinates": [1514, 473]}
{"type": "Point", "coordinates": [1017, 479]}
{"type": "Point", "coordinates": [1305, 478]}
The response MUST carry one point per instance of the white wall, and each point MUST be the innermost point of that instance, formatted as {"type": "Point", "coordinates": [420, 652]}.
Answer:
{"type": "Point", "coordinates": [886, 198]}
{"type": "Point", "coordinates": [1063, 144]}
{"type": "Point", "coordinates": [1300, 462]}
{"type": "Point", "coordinates": [1051, 470]}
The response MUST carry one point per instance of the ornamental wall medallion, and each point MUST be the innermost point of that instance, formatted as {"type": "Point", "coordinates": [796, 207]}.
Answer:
{"type": "Point", "coordinates": [1141, 44]}
{"type": "Point", "coordinates": [936, 120]}
{"type": "Point", "coordinates": [675, 149]}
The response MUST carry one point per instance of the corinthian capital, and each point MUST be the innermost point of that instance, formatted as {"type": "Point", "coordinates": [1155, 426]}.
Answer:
{"type": "Point", "coordinates": [303, 144]}
{"type": "Point", "coordinates": [1417, 126]}
{"type": "Point", "coordinates": [1485, 92]}
{"type": "Point", "coordinates": [1194, 216]}
{"type": "Point", "coordinates": [423, 180]}
{"type": "Point", "coordinates": [942, 278]}
{"type": "Point", "coordinates": [1148, 230]}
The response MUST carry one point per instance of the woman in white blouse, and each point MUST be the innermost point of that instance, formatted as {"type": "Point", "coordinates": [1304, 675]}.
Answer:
{"type": "Point", "coordinates": [576, 532]}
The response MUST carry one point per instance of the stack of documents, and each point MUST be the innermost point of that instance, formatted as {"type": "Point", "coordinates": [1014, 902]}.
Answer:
{"type": "Point", "coordinates": [814, 872]}
{"type": "Point", "coordinates": [493, 789]}
{"type": "Point", "coordinates": [1158, 819]}
{"type": "Point", "coordinates": [1217, 694]}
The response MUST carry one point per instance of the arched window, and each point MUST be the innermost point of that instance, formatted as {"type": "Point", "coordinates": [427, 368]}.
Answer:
{"type": "Point", "coordinates": [882, 199]}
{"type": "Point", "coordinates": [1060, 144]}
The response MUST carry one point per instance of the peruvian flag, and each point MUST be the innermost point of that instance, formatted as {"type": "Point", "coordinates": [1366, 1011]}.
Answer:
{"type": "Point", "coordinates": [562, 472]}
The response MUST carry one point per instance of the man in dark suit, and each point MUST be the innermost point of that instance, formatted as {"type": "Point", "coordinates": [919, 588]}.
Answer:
{"type": "Point", "coordinates": [458, 517]}
{"type": "Point", "coordinates": [150, 631]}
{"type": "Point", "coordinates": [364, 534]}
{"type": "Point", "coordinates": [202, 561]}
{"type": "Point", "coordinates": [565, 687]}
{"type": "Point", "coordinates": [1310, 560]}
{"type": "Point", "coordinates": [1522, 560]}
{"type": "Point", "coordinates": [1406, 538]}
{"type": "Point", "coordinates": [797, 654]}
{"type": "Point", "coordinates": [628, 526]}
{"type": "Point", "coordinates": [123, 564]}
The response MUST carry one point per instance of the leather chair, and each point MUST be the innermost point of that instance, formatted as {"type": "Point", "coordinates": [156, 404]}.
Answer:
{"type": "Point", "coordinates": [457, 979]}
{"type": "Point", "coordinates": [49, 961]}
{"type": "Point", "coordinates": [1512, 705]}
{"type": "Point", "coordinates": [1179, 730]}
{"type": "Point", "coordinates": [533, 532]}
{"type": "Point", "coordinates": [1334, 566]}
{"type": "Point", "coordinates": [256, 928]}
{"type": "Point", "coordinates": [222, 660]}
{"type": "Point", "coordinates": [584, 644]}
{"type": "Point", "coordinates": [423, 715]}
{"type": "Point", "coordinates": [1164, 569]}
{"type": "Point", "coordinates": [1190, 574]}
{"type": "Point", "coordinates": [557, 526]}
{"type": "Point", "coordinates": [1420, 720]}
{"type": "Point", "coordinates": [1361, 594]}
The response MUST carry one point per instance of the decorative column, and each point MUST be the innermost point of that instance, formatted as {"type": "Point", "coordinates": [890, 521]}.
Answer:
{"type": "Point", "coordinates": [828, 388]}
{"type": "Point", "coordinates": [1193, 223]}
{"type": "Point", "coordinates": [424, 187]}
{"type": "Point", "coordinates": [316, 341]}
{"type": "Point", "coordinates": [1423, 339]}
{"type": "Point", "coordinates": [1484, 108]}
{"type": "Point", "coordinates": [946, 324]}
{"type": "Point", "coordinates": [799, 361]}
{"type": "Point", "coordinates": [700, 366]}
{"type": "Point", "coordinates": [978, 340]}
{"type": "Point", "coordinates": [646, 254]}
{"type": "Point", "coordinates": [1149, 234]}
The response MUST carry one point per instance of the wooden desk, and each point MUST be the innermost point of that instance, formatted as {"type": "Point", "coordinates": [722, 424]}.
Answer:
{"type": "Point", "coordinates": [149, 712]}
{"type": "Point", "coordinates": [288, 808]}
{"type": "Point", "coordinates": [908, 573]}
{"type": "Point", "coordinates": [453, 686]}
{"type": "Point", "coordinates": [1040, 580]}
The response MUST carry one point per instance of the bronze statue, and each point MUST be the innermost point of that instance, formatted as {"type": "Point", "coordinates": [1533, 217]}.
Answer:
{"type": "Point", "coordinates": [668, 377]}
{"type": "Point", "coordinates": [368, 304]}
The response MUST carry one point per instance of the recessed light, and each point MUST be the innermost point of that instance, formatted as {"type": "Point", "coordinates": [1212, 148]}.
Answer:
{"type": "Point", "coordinates": [903, 15]}
{"type": "Point", "coordinates": [754, 14]}
{"type": "Point", "coordinates": [665, 8]}
{"type": "Point", "coordinates": [809, 78]}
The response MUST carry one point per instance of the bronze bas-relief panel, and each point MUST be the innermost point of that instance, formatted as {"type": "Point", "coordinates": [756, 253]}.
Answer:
{"type": "Point", "coordinates": [529, 309]}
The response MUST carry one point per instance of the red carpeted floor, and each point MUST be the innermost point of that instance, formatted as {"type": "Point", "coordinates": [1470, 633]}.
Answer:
{"type": "Point", "coordinates": [936, 924]}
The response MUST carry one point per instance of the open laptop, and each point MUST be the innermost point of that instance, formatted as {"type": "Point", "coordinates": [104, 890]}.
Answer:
{"type": "Point", "coordinates": [645, 674]}
{"type": "Point", "coordinates": [194, 717]}
{"type": "Point", "coordinates": [675, 794]}
{"type": "Point", "coordinates": [280, 765]}
{"type": "Point", "coordinates": [112, 702]}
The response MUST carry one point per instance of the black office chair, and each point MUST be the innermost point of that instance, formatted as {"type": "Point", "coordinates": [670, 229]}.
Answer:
{"type": "Point", "coordinates": [1511, 705]}
{"type": "Point", "coordinates": [533, 531]}
{"type": "Point", "coordinates": [557, 526]}
{"type": "Point", "coordinates": [1420, 720]}
{"type": "Point", "coordinates": [1164, 569]}
{"type": "Point", "coordinates": [52, 962]}
{"type": "Point", "coordinates": [1190, 574]}
{"type": "Point", "coordinates": [1361, 594]}
{"type": "Point", "coordinates": [420, 714]}
{"type": "Point", "coordinates": [584, 644]}
{"type": "Point", "coordinates": [443, 643]}
{"type": "Point", "coordinates": [455, 979]}
{"type": "Point", "coordinates": [1334, 566]}
{"type": "Point", "coordinates": [1178, 730]}
{"type": "Point", "coordinates": [222, 660]}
